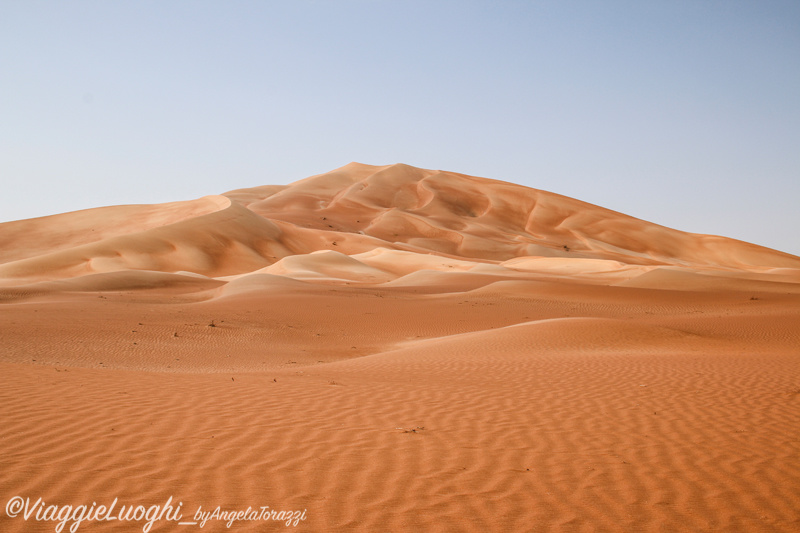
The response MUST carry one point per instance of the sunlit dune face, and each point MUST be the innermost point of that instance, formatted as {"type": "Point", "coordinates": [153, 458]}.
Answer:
{"type": "Point", "coordinates": [388, 221]}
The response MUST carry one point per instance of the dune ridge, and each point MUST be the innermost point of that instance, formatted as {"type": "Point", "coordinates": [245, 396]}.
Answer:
{"type": "Point", "coordinates": [354, 210]}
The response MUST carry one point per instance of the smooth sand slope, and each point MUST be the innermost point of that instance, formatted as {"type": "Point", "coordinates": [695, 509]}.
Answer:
{"type": "Point", "coordinates": [398, 349]}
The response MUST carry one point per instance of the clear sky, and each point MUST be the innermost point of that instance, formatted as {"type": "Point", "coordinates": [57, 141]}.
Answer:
{"type": "Point", "coordinates": [683, 113]}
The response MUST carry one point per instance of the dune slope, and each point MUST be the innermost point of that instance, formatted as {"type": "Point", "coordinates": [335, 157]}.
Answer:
{"type": "Point", "coordinates": [390, 348]}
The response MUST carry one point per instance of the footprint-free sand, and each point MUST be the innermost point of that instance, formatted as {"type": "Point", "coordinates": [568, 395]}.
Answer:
{"type": "Point", "coordinates": [398, 349]}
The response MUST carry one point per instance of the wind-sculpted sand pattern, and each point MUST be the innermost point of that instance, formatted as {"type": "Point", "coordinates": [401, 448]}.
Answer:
{"type": "Point", "coordinates": [472, 356]}
{"type": "Point", "coordinates": [471, 436]}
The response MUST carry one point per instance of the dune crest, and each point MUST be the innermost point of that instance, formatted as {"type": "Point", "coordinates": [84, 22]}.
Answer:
{"type": "Point", "coordinates": [361, 209]}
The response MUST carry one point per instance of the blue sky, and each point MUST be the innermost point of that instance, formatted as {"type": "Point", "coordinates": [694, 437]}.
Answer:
{"type": "Point", "coordinates": [683, 113]}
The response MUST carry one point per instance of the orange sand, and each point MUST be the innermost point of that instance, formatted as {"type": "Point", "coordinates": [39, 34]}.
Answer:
{"type": "Point", "coordinates": [398, 349]}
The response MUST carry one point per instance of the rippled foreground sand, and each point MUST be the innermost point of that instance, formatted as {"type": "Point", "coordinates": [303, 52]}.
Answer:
{"type": "Point", "coordinates": [397, 349]}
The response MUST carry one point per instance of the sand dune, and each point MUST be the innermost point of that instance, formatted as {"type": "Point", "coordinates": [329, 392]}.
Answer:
{"type": "Point", "coordinates": [399, 349]}
{"type": "Point", "coordinates": [361, 209]}
{"type": "Point", "coordinates": [480, 218]}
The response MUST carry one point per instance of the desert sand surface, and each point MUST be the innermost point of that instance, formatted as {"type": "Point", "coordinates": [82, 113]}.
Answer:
{"type": "Point", "coordinates": [393, 349]}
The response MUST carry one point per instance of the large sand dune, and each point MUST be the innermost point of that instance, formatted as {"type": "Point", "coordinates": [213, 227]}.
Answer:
{"type": "Point", "coordinates": [399, 349]}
